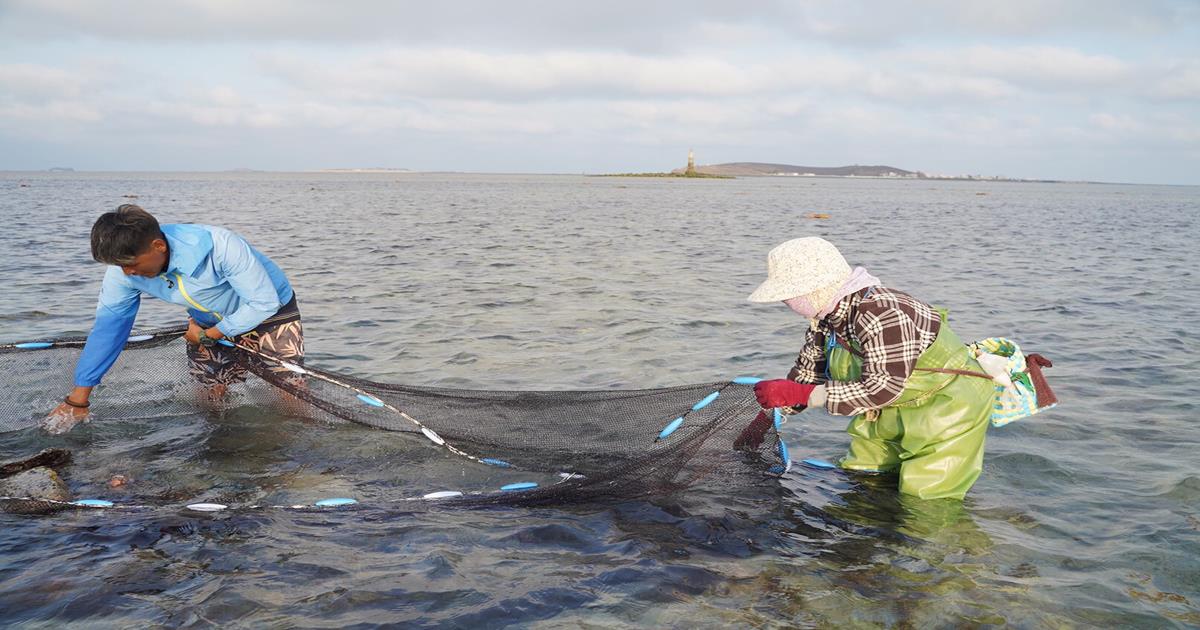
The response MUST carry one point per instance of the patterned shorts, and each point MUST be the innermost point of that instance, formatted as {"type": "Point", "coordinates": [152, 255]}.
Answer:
{"type": "Point", "coordinates": [280, 336]}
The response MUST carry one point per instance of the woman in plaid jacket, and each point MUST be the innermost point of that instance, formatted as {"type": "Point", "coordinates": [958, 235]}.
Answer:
{"type": "Point", "coordinates": [919, 398]}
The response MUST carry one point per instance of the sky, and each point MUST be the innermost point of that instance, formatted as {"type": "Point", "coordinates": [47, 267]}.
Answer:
{"type": "Point", "coordinates": [1098, 90]}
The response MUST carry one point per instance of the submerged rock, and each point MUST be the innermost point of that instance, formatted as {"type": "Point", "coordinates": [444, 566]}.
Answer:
{"type": "Point", "coordinates": [36, 483]}
{"type": "Point", "coordinates": [51, 458]}
{"type": "Point", "coordinates": [32, 483]}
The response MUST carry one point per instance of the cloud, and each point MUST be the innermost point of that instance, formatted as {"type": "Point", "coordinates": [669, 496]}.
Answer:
{"type": "Point", "coordinates": [516, 24]}
{"type": "Point", "coordinates": [39, 81]}
{"type": "Point", "coordinates": [215, 115]}
{"type": "Point", "coordinates": [34, 94]}
{"type": "Point", "coordinates": [668, 25]}
{"type": "Point", "coordinates": [50, 112]}
{"type": "Point", "coordinates": [464, 74]}
{"type": "Point", "coordinates": [1042, 67]}
{"type": "Point", "coordinates": [461, 73]}
{"type": "Point", "coordinates": [906, 86]}
{"type": "Point", "coordinates": [1116, 123]}
{"type": "Point", "coordinates": [1180, 82]}
{"type": "Point", "coordinates": [930, 85]}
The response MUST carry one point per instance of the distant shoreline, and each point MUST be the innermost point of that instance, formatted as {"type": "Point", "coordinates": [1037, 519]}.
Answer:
{"type": "Point", "coordinates": [926, 178]}
{"type": "Point", "coordinates": [854, 171]}
{"type": "Point", "coordinates": [361, 170]}
{"type": "Point", "coordinates": [966, 178]}
{"type": "Point", "coordinates": [881, 177]}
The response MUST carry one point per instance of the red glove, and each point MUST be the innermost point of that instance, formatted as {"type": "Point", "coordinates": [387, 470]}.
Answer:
{"type": "Point", "coordinates": [782, 393]}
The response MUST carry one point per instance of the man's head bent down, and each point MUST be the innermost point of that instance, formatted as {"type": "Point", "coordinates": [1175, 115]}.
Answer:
{"type": "Point", "coordinates": [130, 238]}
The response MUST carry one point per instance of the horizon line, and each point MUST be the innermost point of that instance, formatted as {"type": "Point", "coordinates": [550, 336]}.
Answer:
{"type": "Point", "coordinates": [406, 171]}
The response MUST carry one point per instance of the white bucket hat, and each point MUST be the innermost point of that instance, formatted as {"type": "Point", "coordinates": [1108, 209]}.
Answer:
{"type": "Point", "coordinates": [800, 267]}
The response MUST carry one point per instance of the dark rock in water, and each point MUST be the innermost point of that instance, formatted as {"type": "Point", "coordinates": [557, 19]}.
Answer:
{"type": "Point", "coordinates": [50, 458]}
{"type": "Point", "coordinates": [36, 483]}
{"type": "Point", "coordinates": [33, 485]}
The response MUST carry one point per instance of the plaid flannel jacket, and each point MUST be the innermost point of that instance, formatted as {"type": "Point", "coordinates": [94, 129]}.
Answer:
{"type": "Point", "coordinates": [893, 328]}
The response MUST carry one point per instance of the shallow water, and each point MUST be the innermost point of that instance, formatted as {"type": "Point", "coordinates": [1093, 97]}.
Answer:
{"type": "Point", "coordinates": [1086, 515]}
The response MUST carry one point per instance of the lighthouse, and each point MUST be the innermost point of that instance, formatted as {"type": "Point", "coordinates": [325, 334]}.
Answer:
{"type": "Point", "coordinates": [691, 167]}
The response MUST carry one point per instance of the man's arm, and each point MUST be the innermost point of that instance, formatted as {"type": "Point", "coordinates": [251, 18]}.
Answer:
{"type": "Point", "coordinates": [249, 278]}
{"type": "Point", "coordinates": [115, 313]}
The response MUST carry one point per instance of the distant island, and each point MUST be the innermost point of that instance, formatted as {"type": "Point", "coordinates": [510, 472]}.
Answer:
{"type": "Point", "coordinates": [764, 169]}
{"type": "Point", "coordinates": [731, 170]}
{"type": "Point", "coordinates": [690, 171]}
{"type": "Point", "coordinates": [671, 174]}
{"type": "Point", "coordinates": [62, 169]}
{"type": "Point", "coordinates": [373, 169]}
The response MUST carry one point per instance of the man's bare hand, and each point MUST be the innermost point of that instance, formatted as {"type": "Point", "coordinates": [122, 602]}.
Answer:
{"type": "Point", "coordinates": [64, 418]}
{"type": "Point", "coordinates": [193, 332]}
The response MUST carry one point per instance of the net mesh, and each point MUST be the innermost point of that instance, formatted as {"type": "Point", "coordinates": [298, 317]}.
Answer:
{"type": "Point", "coordinates": [598, 443]}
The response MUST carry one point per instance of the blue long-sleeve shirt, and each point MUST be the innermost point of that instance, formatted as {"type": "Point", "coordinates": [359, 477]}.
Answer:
{"type": "Point", "coordinates": [216, 274]}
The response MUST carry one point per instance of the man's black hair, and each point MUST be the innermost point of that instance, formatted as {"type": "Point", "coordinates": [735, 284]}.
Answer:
{"type": "Point", "coordinates": [119, 236]}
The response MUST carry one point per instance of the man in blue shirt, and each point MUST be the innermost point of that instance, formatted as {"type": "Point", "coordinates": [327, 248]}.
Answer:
{"type": "Point", "coordinates": [230, 289]}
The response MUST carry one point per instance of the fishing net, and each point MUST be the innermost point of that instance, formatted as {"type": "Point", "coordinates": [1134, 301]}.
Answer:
{"type": "Point", "coordinates": [590, 444]}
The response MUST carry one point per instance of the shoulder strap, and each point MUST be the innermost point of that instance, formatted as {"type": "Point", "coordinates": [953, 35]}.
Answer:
{"type": "Point", "coordinates": [843, 343]}
{"type": "Point", "coordinates": [960, 372]}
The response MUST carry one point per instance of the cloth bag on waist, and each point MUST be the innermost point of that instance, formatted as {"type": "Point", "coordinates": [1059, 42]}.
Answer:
{"type": "Point", "coordinates": [1029, 394]}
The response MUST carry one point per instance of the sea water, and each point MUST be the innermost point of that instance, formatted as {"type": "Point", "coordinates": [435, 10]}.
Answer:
{"type": "Point", "coordinates": [1088, 514]}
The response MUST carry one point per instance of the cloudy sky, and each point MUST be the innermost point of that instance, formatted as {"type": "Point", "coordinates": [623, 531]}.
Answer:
{"type": "Point", "coordinates": [1068, 89]}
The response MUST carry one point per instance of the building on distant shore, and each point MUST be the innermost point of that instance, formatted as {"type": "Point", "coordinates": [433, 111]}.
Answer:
{"type": "Point", "coordinates": [691, 167]}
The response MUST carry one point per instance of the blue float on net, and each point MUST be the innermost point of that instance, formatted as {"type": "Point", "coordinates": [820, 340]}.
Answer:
{"type": "Point", "coordinates": [34, 345]}
{"type": "Point", "coordinates": [338, 502]}
{"type": "Point", "coordinates": [496, 462]}
{"type": "Point", "coordinates": [778, 419]}
{"type": "Point", "coordinates": [226, 342]}
{"type": "Point", "coordinates": [524, 485]}
{"type": "Point", "coordinates": [746, 380]}
{"type": "Point", "coordinates": [93, 503]}
{"type": "Point", "coordinates": [137, 338]}
{"type": "Point", "coordinates": [818, 463]}
{"type": "Point", "coordinates": [704, 403]}
{"type": "Point", "coordinates": [370, 400]}
{"type": "Point", "coordinates": [670, 428]}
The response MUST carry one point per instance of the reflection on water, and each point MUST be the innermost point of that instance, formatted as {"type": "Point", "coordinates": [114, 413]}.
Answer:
{"type": "Point", "coordinates": [1085, 515]}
